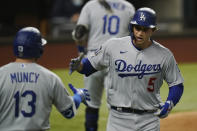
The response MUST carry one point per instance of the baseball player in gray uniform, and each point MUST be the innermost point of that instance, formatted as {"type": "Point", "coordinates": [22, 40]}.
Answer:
{"type": "Point", "coordinates": [28, 90]}
{"type": "Point", "coordinates": [99, 21]}
{"type": "Point", "coordinates": [137, 67]}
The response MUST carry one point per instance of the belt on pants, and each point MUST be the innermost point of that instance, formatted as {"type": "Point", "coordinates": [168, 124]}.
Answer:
{"type": "Point", "coordinates": [131, 110]}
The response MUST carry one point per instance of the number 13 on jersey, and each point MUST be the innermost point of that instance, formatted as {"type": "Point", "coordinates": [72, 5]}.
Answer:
{"type": "Point", "coordinates": [30, 103]}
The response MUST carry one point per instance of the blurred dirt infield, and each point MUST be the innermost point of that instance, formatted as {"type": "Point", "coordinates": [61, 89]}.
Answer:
{"type": "Point", "coordinates": [59, 55]}
{"type": "Point", "coordinates": [183, 121]}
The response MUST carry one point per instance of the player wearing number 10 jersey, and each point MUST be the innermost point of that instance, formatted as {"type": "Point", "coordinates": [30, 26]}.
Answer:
{"type": "Point", "coordinates": [100, 20]}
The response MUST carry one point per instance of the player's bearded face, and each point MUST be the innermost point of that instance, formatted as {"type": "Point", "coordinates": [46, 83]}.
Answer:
{"type": "Point", "coordinates": [142, 35]}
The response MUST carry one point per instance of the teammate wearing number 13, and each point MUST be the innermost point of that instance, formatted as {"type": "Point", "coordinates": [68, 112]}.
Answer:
{"type": "Point", "coordinates": [28, 90]}
{"type": "Point", "coordinates": [137, 67]}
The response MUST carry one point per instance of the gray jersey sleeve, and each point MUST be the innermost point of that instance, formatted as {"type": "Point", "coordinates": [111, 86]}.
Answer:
{"type": "Point", "coordinates": [84, 16]}
{"type": "Point", "coordinates": [171, 72]}
{"type": "Point", "coordinates": [100, 58]}
{"type": "Point", "coordinates": [62, 100]}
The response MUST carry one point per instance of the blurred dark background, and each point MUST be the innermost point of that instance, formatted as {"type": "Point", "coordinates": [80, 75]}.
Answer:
{"type": "Point", "coordinates": [57, 18]}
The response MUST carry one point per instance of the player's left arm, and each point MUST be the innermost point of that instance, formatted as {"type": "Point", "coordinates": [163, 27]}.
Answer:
{"type": "Point", "coordinates": [175, 81]}
{"type": "Point", "coordinates": [99, 60]}
{"type": "Point", "coordinates": [63, 101]}
{"type": "Point", "coordinates": [81, 95]}
{"type": "Point", "coordinates": [174, 95]}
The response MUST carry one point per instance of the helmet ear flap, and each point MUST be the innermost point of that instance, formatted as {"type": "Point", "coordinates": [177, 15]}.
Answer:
{"type": "Point", "coordinates": [131, 30]}
{"type": "Point", "coordinates": [130, 27]}
{"type": "Point", "coordinates": [41, 52]}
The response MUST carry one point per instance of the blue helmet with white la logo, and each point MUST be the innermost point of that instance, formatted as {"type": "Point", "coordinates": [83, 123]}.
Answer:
{"type": "Point", "coordinates": [144, 17]}
{"type": "Point", "coordinates": [28, 43]}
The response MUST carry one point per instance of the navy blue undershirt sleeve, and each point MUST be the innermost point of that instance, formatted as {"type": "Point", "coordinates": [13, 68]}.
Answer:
{"type": "Point", "coordinates": [175, 93]}
{"type": "Point", "coordinates": [87, 69]}
{"type": "Point", "coordinates": [81, 48]}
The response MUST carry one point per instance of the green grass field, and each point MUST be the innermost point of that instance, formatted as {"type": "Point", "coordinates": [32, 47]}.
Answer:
{"type": "Point", "coordinates": [187, 103]}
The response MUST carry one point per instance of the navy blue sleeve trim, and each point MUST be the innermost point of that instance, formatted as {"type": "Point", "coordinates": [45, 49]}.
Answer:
{"type": "Point", "coordinates": [87, 69]}
{"type": "Point", "coordinates": [69, 113]}
{"type": "Point", "coordinates": [81, 48]}
{"type": "Point", "coordinates": [175, 93]}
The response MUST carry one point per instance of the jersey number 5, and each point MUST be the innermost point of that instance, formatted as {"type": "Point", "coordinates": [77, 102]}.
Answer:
{"type": "Point", "coordinates": [151, 87]}
{"type": "Point", "coordinates": [31, 103]}
{"type": "Point", "coordinates": [111, 23]}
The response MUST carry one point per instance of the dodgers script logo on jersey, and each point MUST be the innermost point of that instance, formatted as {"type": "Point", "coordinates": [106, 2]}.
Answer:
{"type": "Point", "coordinates": [139, 69]}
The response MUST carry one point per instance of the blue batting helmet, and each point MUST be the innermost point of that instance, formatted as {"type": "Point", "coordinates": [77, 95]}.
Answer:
{"type": "Point", "coordinates": [28, 43]}
{"type": "Point", "coordinates": [144, 17]}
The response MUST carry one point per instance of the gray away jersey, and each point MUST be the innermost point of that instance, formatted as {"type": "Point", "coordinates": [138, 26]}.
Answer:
{"type": "Point", "coordinates": [106, 25]}
{"type": "Point", "coordinates": [27, 92]}
{"type": "Point", "coordinates": [135, 77]}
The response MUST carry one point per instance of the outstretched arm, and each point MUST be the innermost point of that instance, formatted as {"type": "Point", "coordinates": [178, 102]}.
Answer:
{"type": "Point", "coordinates": [75, 64]}
{"type": "Point", "coordinates": [80, 95]}
{"type": "Point", "coordinates": [82, 65]}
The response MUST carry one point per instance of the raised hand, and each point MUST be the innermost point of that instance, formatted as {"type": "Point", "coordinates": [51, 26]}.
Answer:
{"type": "Point", "coordinates": [83, 93]}
{"type": "Point", "coordinates": [75, 63]}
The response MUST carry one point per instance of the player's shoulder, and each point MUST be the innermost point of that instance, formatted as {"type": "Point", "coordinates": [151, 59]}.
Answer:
{"type": "Point", "coordinates": [50, 75]}
{"type": "Point", "coordinates": [125, 3]}
{"type": "Point", "coordinates": [115, 44]}
{"type": "Point", "coordinates": [161, 48]}
{"type": "Point", "coordinates": [47, 72]}
{"type": "Point", "coordinates": [117, 41]}
{"type": "Point", "coordinates": [44, 69]}
{"type": "Point", "coordinates": [2, 68]}
{"type": "Point", "coordinates": [125, 38]}
{"type": "Point", "coordinates": [91, 3]}
{"type": "Point", "coordinates": [6, 67]}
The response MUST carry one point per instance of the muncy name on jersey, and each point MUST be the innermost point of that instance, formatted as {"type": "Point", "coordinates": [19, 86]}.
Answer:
{"type": "Point", "coordinates": [137, 70]}
{"type": "Point", "coordinates": [28, 77]}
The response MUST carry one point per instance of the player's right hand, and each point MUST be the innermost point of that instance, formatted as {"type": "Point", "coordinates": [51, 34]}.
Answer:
{"type": "Point", "coordinates": [75, 63]}
{"type": "Point", "coordinates": [83, 93]}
